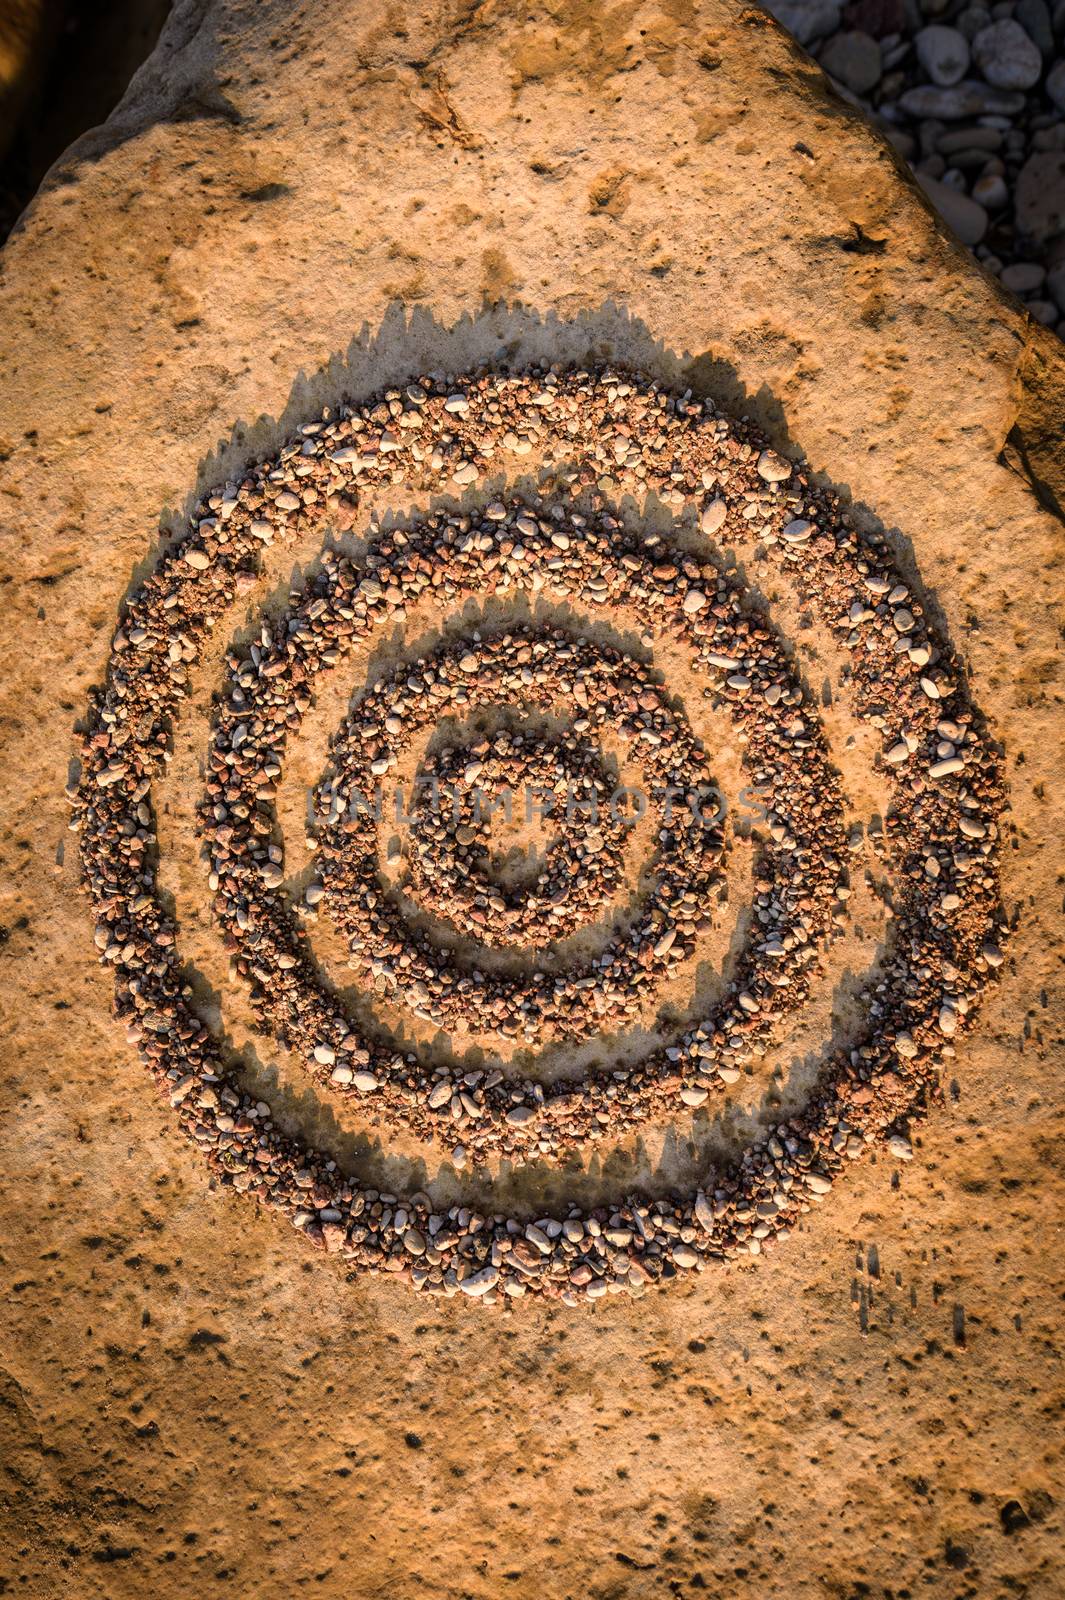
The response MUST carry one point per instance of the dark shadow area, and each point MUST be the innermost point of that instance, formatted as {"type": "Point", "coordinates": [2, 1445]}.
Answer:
{"type": "Point", "coordinates": [64, 66]}
{"type": "Point", "coordinates": [1032, 447]}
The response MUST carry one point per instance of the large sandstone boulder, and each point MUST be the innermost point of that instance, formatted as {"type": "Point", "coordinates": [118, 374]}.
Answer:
{"type": "Point", "coordinates": [290, 205]}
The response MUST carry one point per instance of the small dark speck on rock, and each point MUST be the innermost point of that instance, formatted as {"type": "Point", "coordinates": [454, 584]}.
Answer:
{"type": "Point", "coordinates": [1013, 1517]}
{"type": "Point", "coordinates": [956, 1556]}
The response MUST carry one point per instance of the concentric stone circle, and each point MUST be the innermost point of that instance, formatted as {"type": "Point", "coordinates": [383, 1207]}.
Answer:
{"type": "Point", "coordinates": [596, 437]}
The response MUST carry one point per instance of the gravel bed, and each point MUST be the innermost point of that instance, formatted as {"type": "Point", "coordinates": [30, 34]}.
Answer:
{"type": "Point", "coordinates": [973, 98]}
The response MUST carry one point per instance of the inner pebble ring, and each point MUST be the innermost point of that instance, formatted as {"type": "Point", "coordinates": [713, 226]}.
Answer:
{"type": "Point", "coordinates": [548, 669]}
{"type": "Point", "coordinates": [605, 435]}
{"type": "Point", "coordinates": [560, 777]}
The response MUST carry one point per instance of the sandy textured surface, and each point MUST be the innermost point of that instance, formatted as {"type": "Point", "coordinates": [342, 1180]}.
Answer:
{"type": "Point", "coordinates": [290, 204]}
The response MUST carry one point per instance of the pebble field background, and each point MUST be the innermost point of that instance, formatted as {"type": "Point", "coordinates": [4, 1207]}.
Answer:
{"type": "Point", "coordinates": [973, 98]}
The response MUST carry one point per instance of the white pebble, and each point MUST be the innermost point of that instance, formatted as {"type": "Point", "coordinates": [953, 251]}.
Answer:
{"type": "Point", "coordinates": [713, 516]}
{"type": "Point", "coordinates": [772, 467]}
{"type": "Point", "coordinates": [480, 1282]}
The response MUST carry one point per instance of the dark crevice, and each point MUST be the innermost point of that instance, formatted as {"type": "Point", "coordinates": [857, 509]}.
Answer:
{"type": "Point", "coordinates": [1032, 446]}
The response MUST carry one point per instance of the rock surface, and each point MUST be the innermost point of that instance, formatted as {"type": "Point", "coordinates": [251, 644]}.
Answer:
{"type": "Point", "coordinates": [290, 204]}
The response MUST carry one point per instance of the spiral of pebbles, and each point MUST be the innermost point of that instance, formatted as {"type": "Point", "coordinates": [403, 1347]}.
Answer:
{"type": "Point", "coordinates": [800, 866]}
{"type": "Point", "coordinates": [596, 436]}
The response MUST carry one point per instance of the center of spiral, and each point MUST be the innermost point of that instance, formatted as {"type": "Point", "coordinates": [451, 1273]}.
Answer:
{"type": "Point", "coordinates": [513, 841]}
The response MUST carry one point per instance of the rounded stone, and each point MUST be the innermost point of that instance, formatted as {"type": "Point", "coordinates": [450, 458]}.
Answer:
{"type": "Point", "coordinates": [854, 59]}
{"type": "Point", "coordinates": [990, 191]}
{"type": "Point", "coordinates": [1006, 56]}
{"type": "Point", "coordinates": [963, 216]}
{"type": "Point", "coordinates": [1039, 197]}
{"type": "Point", "coordinates": [1055, 85]}
{"type": "Point", "coordinates": [970, 98]}
{"type": "Point", "coordinates": [943, 53]}
{"type": "Point", "coordinates": [1022, 277]}
{"type": "Point", "coordinates": [806, 20]}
